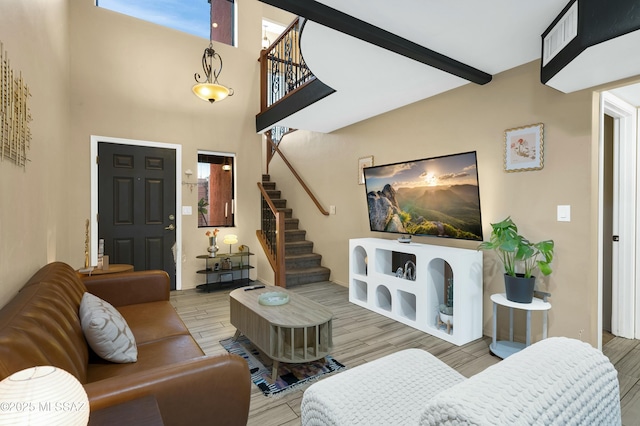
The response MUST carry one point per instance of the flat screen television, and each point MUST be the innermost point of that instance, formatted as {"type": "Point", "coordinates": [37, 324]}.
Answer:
{"type": "Point", "coordinates": [436, 196]}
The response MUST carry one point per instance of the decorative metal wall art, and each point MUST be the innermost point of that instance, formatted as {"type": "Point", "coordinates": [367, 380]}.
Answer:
{"type": "Point", "coordinates": [15, 135]}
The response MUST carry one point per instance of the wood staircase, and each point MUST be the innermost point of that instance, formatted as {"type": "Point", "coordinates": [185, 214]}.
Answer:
{"type": "Point", "coordinates": [302, 266]}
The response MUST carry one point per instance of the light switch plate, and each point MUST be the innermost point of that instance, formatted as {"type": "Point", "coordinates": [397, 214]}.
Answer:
{"type": "Point", "coordinates": [564, 213]}
{"type": "Point", "coordinates": [186, 211]}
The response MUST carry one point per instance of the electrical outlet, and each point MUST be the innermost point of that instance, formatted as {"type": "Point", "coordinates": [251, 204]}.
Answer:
{"type": "Point", "coordinates": [580, 334]}
{"type": "Point", "coordinates": [332, 209]}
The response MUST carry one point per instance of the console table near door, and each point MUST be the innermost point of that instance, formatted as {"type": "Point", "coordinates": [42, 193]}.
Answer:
{"type": "Point", "coordinates": [215, 274]}
{"type": "Point", "coordinates": [504, 348]}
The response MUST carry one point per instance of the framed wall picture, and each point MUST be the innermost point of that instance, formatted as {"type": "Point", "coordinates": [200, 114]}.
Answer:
{"type": "Point", "coordinates": [524, 148]}
{"type": "Point", "coordinates": [362, 163]}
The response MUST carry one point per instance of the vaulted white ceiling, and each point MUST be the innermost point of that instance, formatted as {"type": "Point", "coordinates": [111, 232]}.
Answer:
{"type": "Point", "coordinates": [490, 35]}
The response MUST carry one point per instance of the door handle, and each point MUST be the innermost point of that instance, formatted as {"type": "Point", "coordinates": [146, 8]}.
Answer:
{"type": "Point", "coordinates": [170, 227]}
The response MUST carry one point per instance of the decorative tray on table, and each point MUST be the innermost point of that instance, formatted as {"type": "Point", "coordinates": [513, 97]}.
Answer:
{"type": "Point", "coordinates": [273, 298]}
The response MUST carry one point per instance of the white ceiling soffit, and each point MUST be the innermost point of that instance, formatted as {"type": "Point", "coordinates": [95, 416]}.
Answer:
{"type": "Point", "coordinates": [490, 35]}
{"type": "Point", "coordinates": [594, 65]}
{"type": "Point", "coordinates": [591, 42]}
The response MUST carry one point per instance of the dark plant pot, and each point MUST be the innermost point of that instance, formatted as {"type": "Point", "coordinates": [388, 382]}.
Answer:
{"type": "Point", "coordinates": [519, 289]}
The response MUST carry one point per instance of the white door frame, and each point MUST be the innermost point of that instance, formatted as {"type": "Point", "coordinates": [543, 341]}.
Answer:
{"type": "Point", "coordinates": [624, 264]}
{"type": "Point", "coordinates": [94, 195]}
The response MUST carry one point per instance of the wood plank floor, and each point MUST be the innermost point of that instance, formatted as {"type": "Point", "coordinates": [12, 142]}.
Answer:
{"type": "Point", "coordinates": [361, 336]}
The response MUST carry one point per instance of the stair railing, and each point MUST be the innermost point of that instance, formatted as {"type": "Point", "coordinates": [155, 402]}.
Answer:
{"type": "Point", "coordinates": [274, 136]}
{"type": "Point", "coordinates": [282, 67]}
{"type": "Point", "coordinates": [282, 71]}
{"type": "Point", "coordinates": [297, 176]}
{"type": "Point", "coordinates": [271, 236]}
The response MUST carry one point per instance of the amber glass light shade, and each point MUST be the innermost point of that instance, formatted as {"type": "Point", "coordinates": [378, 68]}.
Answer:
{"type": "Point", "coordinates": [210, 92]}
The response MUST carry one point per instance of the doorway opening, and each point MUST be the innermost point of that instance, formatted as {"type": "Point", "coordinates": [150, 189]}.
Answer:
{"type": "Point", "coordinates": [618, 192]}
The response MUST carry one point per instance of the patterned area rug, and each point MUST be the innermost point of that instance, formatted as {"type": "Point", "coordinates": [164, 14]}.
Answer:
{"type": "Point", "coordinates": [290, 376]}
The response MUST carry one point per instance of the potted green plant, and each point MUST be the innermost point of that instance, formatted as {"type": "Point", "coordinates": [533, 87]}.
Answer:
{"type": "Point", "coordinates": [518, 253]}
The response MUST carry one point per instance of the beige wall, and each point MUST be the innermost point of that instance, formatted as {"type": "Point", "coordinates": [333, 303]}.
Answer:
{"type": "Point", "coordinates": [33, 223]}
{"type": "Point", "coordinates": [468, 118]}
{"type": "Point", "coordinates": [130, 79]}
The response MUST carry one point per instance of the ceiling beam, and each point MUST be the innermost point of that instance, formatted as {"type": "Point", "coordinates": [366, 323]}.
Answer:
{"type": "Point", "coordinates": [347, 24]}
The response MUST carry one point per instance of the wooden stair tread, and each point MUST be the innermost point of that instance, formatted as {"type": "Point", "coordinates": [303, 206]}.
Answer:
{"type": "Point", "coordinates": [302, 255]}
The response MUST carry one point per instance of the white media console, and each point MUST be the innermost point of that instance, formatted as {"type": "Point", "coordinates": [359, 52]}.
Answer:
{"type": "Point", "coordinates": [373, 284]}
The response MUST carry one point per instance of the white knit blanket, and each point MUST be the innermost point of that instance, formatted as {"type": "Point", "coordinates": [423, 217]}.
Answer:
{"type": "Point", "coordinates": [388, 391]}
{"type": "Point", "coordinates": [557, 381]}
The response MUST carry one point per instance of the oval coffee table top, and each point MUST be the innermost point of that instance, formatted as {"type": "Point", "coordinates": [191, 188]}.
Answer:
{"type": "Point", "coordinates": [298, 312]}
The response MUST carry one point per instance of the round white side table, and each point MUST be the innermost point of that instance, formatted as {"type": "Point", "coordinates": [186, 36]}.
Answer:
{"type": "Point", "coordinates": [505, 348]}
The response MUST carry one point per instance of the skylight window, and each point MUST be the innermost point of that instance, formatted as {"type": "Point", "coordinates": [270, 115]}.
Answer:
{"type": "Point", "coordinates": [189, 16]}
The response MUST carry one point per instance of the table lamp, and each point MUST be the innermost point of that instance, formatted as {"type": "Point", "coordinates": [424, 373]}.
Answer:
{"type": "Point", "coordinates": [43, 395]}
{"type": "Point", "coordinates": [230, 239]}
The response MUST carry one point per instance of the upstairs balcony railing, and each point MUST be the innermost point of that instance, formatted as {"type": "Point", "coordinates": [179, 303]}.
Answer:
{"type": "Point", "coordinates": [282, 67]}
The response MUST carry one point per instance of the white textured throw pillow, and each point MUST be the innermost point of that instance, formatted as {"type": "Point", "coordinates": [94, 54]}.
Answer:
{"type": "Point", "coordinates": [106, 330]}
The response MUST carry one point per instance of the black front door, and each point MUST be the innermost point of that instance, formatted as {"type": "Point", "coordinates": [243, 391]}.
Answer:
{"type": "Point", "coordinates": [136, 206]}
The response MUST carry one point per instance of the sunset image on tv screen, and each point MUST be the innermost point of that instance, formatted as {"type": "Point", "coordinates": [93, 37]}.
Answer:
{"type": "Point", "coordinates": [433, 196]}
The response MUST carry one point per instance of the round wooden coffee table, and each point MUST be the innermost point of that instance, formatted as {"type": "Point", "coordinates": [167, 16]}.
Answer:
{"type": "Point", "coordinates": [298, 331]}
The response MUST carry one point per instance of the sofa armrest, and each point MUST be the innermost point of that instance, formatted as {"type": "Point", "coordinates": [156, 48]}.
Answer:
{"type": "Point", "coordinates": [206, 390]}
{"type": "Point", "coordinates": [130, 288]}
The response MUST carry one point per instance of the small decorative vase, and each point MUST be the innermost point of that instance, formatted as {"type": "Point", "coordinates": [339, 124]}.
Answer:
{"type": "Point", "coordinates": [213, 248]}
{"type": "Point", "coordinates": [519, 289]}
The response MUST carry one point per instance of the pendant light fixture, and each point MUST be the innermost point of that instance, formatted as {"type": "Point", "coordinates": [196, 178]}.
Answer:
{"type": "Point", "coordinates": [209, 89]}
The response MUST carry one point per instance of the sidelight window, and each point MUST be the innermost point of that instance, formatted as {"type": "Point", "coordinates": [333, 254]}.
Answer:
{"type": "Point", "coordinates": [216, 189]}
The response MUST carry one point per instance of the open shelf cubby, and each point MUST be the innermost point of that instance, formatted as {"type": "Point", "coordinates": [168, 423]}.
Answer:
{"type": "Point", "coordinates": [359, 261]}
{"type": "Point", "coordinates": [360, 290]}
{"type": "Point", "coordinates": [373, 284]}
{"type": "Point", "coordinates": [383, 298]}
{"type": "Point", "coordinates": [407, 305]}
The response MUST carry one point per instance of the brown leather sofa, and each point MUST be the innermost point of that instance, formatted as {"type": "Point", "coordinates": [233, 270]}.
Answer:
{"type": "Point", "coordinates": [40, 326]}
